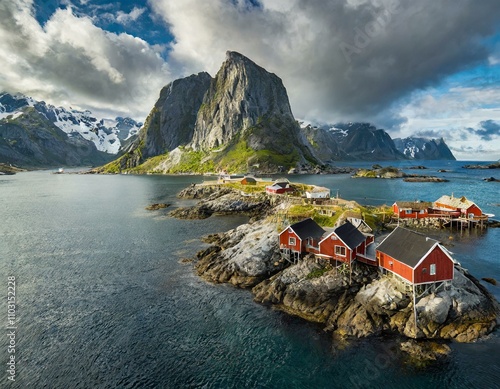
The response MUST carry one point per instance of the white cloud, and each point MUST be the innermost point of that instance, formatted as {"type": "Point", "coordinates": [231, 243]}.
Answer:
{"type": "Point", "coordinates": [399, 46]}
{"type": "Point", "coordinates": [70, 61]}
{"type": "Point", "coordinates": [132, 16]}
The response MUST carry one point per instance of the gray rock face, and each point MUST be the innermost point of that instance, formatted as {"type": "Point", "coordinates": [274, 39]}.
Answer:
{"type": "Point", "coordinates": [363, 141]}
{"type": "Point", "coordinates": [172, 119]}
{"type": "Point", "coordinates": [241, 95]}
{"type": "Point", "coordinates": [324, 144]}
{"type": "Point", "coordinates": [243, 256]}
{"type": "Point", "coordinates": [221, 201]}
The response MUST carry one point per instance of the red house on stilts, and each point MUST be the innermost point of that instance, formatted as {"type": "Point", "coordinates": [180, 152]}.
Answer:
{"type": "Point", "coordinates": [414, 258]}
{"type": "Point", "coordinates": [346, 244]}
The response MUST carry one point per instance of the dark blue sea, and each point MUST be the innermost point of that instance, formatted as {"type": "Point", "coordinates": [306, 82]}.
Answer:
{"type": "Point", "coordinates": [103, 299]}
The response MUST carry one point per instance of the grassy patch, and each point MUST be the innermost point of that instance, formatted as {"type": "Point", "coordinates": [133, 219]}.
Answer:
{"type": "Point", "coordinates": [150, 165]}
{"type": "Point", "coordinates": [316, 273]}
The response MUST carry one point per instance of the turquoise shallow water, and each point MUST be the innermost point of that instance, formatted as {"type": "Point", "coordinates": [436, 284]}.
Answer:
{"type": "Point", "coordinates": [104, 302]}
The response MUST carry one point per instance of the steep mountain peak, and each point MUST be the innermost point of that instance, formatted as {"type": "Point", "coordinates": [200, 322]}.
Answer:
{"type": "Point", "coordinates": [423, 148]}
{"type": "Point", "coordinates": [241, 95]}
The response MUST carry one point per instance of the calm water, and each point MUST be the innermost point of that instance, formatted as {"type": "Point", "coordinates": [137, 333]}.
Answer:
{"type": "Point", "coordinates": [104, 302]}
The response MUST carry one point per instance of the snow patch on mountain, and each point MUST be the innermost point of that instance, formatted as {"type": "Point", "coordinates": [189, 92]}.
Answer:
{"type": "Point", "coordinates": [106, 134]}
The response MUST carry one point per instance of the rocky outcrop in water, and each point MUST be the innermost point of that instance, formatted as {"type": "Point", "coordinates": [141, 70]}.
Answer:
{"type": "Point", "coordinates": [361, 303]}
{"type": "Point", "coordinates": [220, 201]}
{"type": "Point", "coordinates": [242, 257]}
{"type": "Point", "coordinates": [357, 303]}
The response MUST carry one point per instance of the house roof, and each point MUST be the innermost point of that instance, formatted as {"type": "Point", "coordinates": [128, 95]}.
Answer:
{"type": "Point", "coordinates": [413, 204]}
{"type": "Point", "coordinates": [318, 189]}
{"type": "Point", "coordinates": [455, 202]}
{"type": "Point", "coordinates": [308, 228]}
{"type": "Point", "coordinates": [406, 246]}
{"type": "Point", "coordinates": [350, 235]}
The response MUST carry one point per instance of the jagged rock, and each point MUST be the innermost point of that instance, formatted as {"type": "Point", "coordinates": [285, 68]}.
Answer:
{"type": "Point", "coordinates": [202, 191]}
{"type": "Point", "coordinates": [250, 255]}
{"type": "Point", "coordinates": [420, 353]}
{"type": "Point", "coordinates": [248, 106]}
{"type": "Point", "coordinates": [157, 206]}
{"type": "Point", "coordinates": [222, 201]}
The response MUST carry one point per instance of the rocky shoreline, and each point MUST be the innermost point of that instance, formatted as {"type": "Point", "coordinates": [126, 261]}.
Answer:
{"type": "Point", "coordinates": [348, 304]}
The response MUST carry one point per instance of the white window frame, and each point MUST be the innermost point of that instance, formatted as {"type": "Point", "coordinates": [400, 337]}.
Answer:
{"type": "Point", "coordinates": [342, 248]}
{"type": "Point", "coordinates": [292, 241]}
{"type": "Point", "coordinates": [408, 211]}
{"type": "Point", "coordinates": [432, 269]}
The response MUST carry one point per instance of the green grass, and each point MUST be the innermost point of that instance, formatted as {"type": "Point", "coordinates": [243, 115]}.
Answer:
{"type": "Point", "coordinates": [316, 273]}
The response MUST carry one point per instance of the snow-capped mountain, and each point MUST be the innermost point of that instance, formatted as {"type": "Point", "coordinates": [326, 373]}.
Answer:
{"type": "Point", "coordinates": [106, 134]}
{"type": "Point", "coordinates": [362, 141]}
{"type": "Point", "coordinates": [423, 148]}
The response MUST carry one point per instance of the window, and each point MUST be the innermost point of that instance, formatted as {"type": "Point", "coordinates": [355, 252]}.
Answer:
{"type": "Point", "coordinates": [422, 211]}
{"type": "Point", "coordinates": [340, 250]}
{"type": "Point", "coordinates": [292, 241]}
{"type": "Point", "coordinates": [408, 211]}
{"type": "Point", "coordinates": [433, 269]}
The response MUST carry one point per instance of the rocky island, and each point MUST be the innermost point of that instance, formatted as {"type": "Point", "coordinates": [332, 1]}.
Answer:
{"type": "Point", "coordinates": [8, 169]}
{"type": "Point", "coordinates": [349, 302]}
{"type": "Point", "coordinates": [389, 172]}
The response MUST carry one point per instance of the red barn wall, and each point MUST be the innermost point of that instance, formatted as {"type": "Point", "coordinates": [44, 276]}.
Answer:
{"type": "Point", "coordinates": [397, 267]}
{"type": "Point", "coordinates": [444, 267]}
{"type": "Point", "coordinates": [475, 210]}
{"type": "Point", "coordinates": [284, 240]}
{"type": "Point", "coordinates": [327, 247]}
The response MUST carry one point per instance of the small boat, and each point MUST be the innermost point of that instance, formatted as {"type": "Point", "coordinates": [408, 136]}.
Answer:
{"type": "Point", "coordinates": [60, 171]}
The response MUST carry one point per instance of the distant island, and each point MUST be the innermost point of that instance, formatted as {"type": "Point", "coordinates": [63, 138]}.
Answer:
{"type": "Point", "coordinates": [8, 169]}
{"type": "Point", "coordinates": [494, 165]}
{"type": "Point", "coordinates": [390, 172]}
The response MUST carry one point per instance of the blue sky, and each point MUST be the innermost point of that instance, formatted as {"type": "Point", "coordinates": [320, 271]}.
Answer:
{"type": "Point", "coordinates": [426, 67]}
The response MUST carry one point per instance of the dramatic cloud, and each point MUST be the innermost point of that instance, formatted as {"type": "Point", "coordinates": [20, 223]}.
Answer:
{"type": "Point", "coordinates": [399, 64]}
{"type": "Point", "coordinates": [338, 59]}
{"type": "Point", "coordinates": [489, 130]}
{"type": "Point", "coordinates": [71, 61]}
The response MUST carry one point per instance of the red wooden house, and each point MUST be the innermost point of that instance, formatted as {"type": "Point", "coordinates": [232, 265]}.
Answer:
{"type": "Point", "coordinates": [345, 243]}
{"type": "Point", "coordinates": [411, 209]}
{"type": "Point", "coordinates": [247, 180]}
{"type": "Point", "coordinates": [415, 258]}
{"type": "Point", "coordinates": [301, 237]}
{"type": "Point", "coordinates": [457, 206]}
{"type": "Point", "coordinates": [279, 187]}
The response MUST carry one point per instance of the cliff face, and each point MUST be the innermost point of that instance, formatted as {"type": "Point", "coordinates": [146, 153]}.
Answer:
{"type": "Point", "coordinates": [172, 120]}
{"type": "Point", "coordinates": [237, 121]}
{"type": "Point", "coordinates": [422, 148]}
{"type": "Point", "coordinates": [325, 145]}
{"type": "Point", "coordinates": [362, 141]}
{"type": "Point", "coordinates": [242, 95]}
